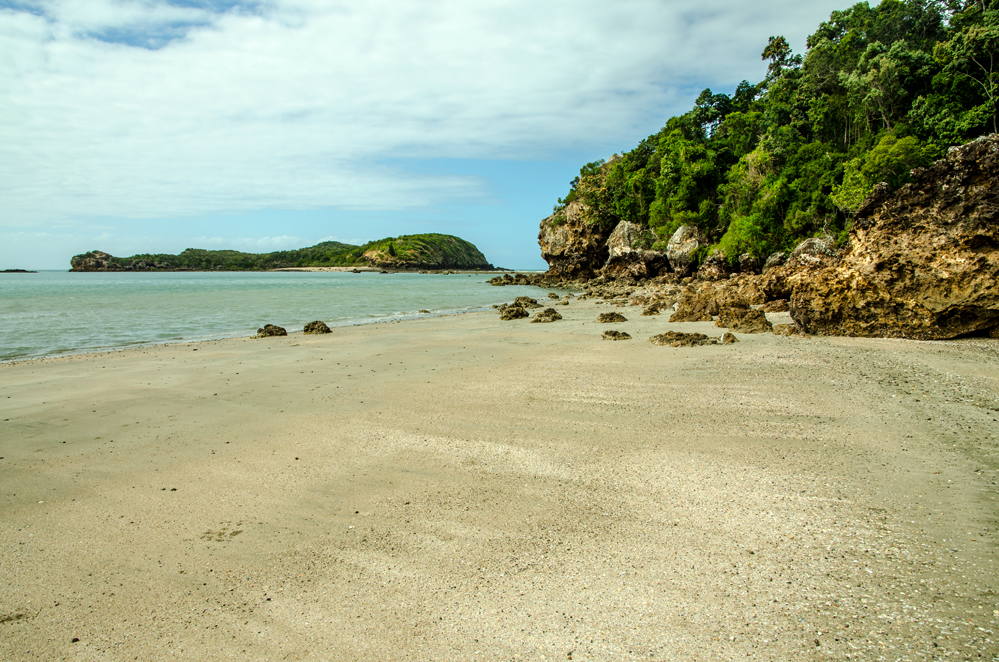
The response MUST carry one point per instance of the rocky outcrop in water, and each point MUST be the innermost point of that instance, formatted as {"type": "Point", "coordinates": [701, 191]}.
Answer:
{"type": "Point", "coordinates": [923, 262]}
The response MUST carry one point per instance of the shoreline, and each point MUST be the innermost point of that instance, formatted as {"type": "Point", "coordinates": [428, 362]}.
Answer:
{"type": "Point", "coordinates": [441, 487]}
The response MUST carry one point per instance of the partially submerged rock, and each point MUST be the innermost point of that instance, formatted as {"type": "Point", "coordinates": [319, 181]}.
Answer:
{"type": "Point", "coordinates": [611, 317]}
{"type": "Point", "coordinates": [317, 327]}
{"type": "Point", "coordinates": [612, 334]}
{"type": "Point", "coordinates": [546, 315]}
{"type": "Point", "coordinates": [923, 261]}
{"type": "Point", "coordinates": [677, 339]}
{"type": "Point", "coordinates": [270, 330]}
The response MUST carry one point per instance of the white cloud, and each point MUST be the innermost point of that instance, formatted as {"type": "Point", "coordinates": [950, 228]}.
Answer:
{"type": "Point", "coordinates": [304, 103]}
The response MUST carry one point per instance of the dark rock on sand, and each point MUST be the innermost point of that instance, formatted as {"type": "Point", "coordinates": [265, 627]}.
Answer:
{"type": "Point", "coordinates": [923, 261]}
{"type": "Point", "coordinates": [526, 302]}
{"type": "Point", "coordinates": [700, 301]}
{"type": "Point", "coordinates": [611, 317]}
{"type": "Point", "coordinates": [612, 334]}
{"type": "Point", "coordinates": [513, 313]}
{"type": "Point", "coordinates": [728, 338]}
{"type": "Point", "coordinates": [270, 330]}
{"type": "Point", "coordinates": [317, 327]}
{"type": "Point", "coordinates": [745, 320]}
{"type": "Point", "coordinates": [546, 315]}
{"type": "Point", "coordinates": [676, 339]}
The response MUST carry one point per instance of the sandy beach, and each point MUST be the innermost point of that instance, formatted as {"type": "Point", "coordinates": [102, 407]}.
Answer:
{"type": "Point", "coordinates": [461, 488]}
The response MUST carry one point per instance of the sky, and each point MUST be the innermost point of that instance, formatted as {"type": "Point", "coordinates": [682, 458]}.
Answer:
{"type": "Point", "coordinates": [151, 126]}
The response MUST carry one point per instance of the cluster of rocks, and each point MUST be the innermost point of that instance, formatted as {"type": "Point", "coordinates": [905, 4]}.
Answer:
{"type": "Point", "coordinates": [921, 262]}
{"type": "Point", "coordinates": [271, 330]}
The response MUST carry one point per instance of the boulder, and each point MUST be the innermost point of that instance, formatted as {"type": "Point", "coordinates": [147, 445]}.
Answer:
{"type": "Point", "coordinates": [526, 302]}
{"type": "Point", "coordinates": [682, 246]}
{"type": "Point", "coordinates": [699, 302]}
{"type": "Point", "coordinates": [749, 264]}
{"type": "Point", "coordinates": [676, 339]}
{"type": "Point", "coordinates": [612, 334]}
{"type": "Point", "coordinates": [727, 338]}
{"type": "Point", "coordinates": [573, 246]}
{"type": "Point", "coordinates": [271, 330]}
{"type": "Point", "coordinates": [814, 253]}
{"type": "Point", "coordinates": [775, 260]}
{"type": "Point", "coordinates": [552, 295]}
{"type": "Point", "coordinates": [628, 253]}
{"type": "Point", "coordinates": [714, 267]}
{"type": "Point", "coordinates": [317, 327]}
{"type": "Point", "coordinates": [611, 317]}
{"type": "Point", "coordinates": [922, 262]}
{"type": "Point", "coordinates": [745, 320]}
{"type": "Point", "coordinates": [546, 315]}
{"type": "Point", "coordinates": [513, 313]}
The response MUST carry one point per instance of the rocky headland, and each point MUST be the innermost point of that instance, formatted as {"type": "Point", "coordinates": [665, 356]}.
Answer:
{"type": "Point", "coordinates": [919, 262]}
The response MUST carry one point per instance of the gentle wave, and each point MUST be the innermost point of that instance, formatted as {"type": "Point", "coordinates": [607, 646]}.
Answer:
{"type": "Point", "coordinates": [57, 312]}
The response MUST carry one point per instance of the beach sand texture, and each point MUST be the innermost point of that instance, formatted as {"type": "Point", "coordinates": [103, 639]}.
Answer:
{"type": "Point", "coordinates": [461, 488]}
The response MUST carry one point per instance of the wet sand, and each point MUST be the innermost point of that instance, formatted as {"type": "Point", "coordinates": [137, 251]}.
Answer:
{"type": "Point", "coordinates": [462, 488]}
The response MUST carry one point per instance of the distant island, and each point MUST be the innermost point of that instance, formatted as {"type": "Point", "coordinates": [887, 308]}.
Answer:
{"type": "Point", "coordinates": [407, 252]}
{"type": "Point", "coordinates": [17, 271]}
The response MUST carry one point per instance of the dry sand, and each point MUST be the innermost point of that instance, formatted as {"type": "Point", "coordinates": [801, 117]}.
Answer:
{"type": "Point", "coordinates": [461, 488]}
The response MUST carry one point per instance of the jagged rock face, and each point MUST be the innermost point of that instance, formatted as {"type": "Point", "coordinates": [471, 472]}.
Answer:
{"type": "Point", "coordinates": [92, 261]}
{"type": "Point", "coordinates": [715, 267]}
{"type": "Point", "coordinates": [682, 246]}
{"type": "Point", "coordinates": [626, 257]}
{"type": "Point", "coordinates": [923, 262]}
{"type": "Point", "coordinates": [782, 275]}
{"type": "Point", "coordinates": [572, 247]}
{"type": "Point", "coordinates": [775, 260]}
{"type": "Point", "coordinates": [746, 320]}
{"type": "Point", "coordinates": [814, 253]}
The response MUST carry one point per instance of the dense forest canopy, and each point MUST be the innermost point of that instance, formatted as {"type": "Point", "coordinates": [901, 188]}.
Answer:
{"type": "Point", "coordinates": [878, 92]}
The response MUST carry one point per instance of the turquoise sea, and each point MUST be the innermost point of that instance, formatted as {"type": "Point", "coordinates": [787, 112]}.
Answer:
{"type": "Point", "coordinates": [57, 312]}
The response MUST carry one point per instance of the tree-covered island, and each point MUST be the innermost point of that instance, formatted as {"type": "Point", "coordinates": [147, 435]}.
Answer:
{"type": "Point", "coordinates": [415, 251]}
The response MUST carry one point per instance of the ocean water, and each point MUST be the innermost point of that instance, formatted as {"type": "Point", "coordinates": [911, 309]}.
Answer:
{"type": "Point", "coordinates": [57, 312]}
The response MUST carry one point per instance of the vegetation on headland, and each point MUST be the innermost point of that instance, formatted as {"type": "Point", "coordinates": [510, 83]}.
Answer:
{"type": "Point", "coordinates": [416, 251]}
{"type": "Point", "coordinates": [880, 91]}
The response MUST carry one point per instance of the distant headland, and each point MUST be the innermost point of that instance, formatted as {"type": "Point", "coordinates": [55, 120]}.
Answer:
{"type": "Point", "coordinates": [404, 253]}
